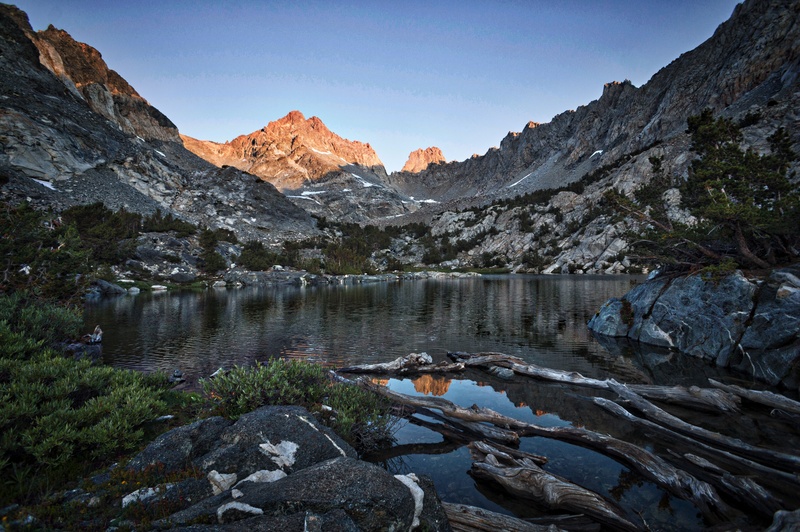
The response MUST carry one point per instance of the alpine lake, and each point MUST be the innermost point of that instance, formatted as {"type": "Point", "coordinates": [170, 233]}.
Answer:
{"type": "Point", "coordinates": [541, 319]}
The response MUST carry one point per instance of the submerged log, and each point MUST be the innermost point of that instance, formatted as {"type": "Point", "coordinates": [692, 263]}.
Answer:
{"type": "Point", "coordinates": [706, 399]}
{"type": "Point", "coordinates": [412, 363]}
{"type": "Point", "coordinates": [741, 489]}
{"type": "Point", "coordinates": [464, 518]}
{"type": "Point", "coordinates": [650, 466]}
{"type": "Point", "coordinates": [526, 479]}
{"type": "Point", "coordinates": [775, 459]}
{"type": "Point", "coordinates": [763, 397]}
{"type": "Point", "coordinates": [767, 474]}
{"type": "Point", "coordinates": [472, 419]}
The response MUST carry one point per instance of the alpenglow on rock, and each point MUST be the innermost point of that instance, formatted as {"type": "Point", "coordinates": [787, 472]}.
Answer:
{"type": "Point", "coordinates": [289, 152]}
{"type": "Point", "coordinates": [419, 160]}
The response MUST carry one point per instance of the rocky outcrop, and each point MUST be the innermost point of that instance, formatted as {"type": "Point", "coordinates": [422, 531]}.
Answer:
{"type": "Point", "coordinates": [290, 152]}
{"type": "Point", "coordinates": [277, 468]}
{"type": "Point", "coordinates": [82, 69]}
{"type": "Point", "coordinates": [750, 61]}
{"type": "Point", "coordinates": [752, 326]}
{"type": "Point", "coordinates": [419, 160]}
{"type": "Point", "coordinates": [58, 151]}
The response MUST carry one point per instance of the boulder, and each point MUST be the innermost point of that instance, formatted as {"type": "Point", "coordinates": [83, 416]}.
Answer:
{"type": "Point", "coordinates": [751, 326]}
{"type": "Point", "coordinates": [277, 469]}
{"type": "Point", "coordinates": [270, 438]}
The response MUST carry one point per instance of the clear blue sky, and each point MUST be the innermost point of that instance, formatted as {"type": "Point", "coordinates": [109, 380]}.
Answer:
{"type": "Point", "coordinates": [458, 74]}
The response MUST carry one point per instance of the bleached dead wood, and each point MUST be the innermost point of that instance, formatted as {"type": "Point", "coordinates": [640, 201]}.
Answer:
{"type": "Point", "coordinates": [464, 518]}
{"type": "Point", "coordinates": [650, 466]}
{"type": "Point", "coordinates": [741, 488]}
{"type": "Point", "coordinates": [411, 363]}
{"type": "Point", "coordinates": [474, 419]}
{"type": "Point", "coordinates": [766, 474]}
{"type": "Point", "coordinates": [763, 397]}
{"type": "Point", "coordinates": [526, 479]}
{"type": "Point", "coordinates": [775, 459]}
{"type": "Point", "coordinates": [706, 399]}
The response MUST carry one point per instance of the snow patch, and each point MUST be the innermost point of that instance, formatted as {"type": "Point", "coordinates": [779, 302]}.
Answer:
{"type": "Point", "coordinates": [161, 153]}
{"type": "Point", "coordinates": [520, 181]}
{"type": "Point", "coordinates": [598, 152]}
{"type": "Point", "coordinates": [428, 201]}
{"type": "Point", "coordinates": [312, 192]}
{"type": "Point", "coordinates": [364, 182]}
{"type": "Point", "coordinates": [305, 198]}
{"type": "Point", "coordinates": [46, 184]}
{"type": "Point", "coordinates": [321, 152]}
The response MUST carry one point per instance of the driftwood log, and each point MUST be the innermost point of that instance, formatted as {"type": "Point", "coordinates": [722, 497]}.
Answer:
{"type": "Point", "coordinates": [464, 518]}
{"type": "Point", "coordinates": [650, 466]}
{"type": "Point", "coordinates": [763, 397]}
{"type": "Point", "coordinates": [741, 489]}
{"type": "Point", "coordinates": [706, 399]}
{"type": "Point", "coordinates": [409, 364]}
{"type": "Point", "coordinates": [522, 477]}
{"type": "Point", "coordinates": [774, 459]}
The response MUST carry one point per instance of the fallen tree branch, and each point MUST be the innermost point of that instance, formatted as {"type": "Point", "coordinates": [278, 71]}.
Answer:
{"type": "Point", "coordinates": [773, 400]}
{"type": "Point", "coordinates": [775, 459]}
{"type": "Point", "coordinates": [650, 466]}
{"type": "Point", "coordinates": [706, 399]}
{"type": "Point", "coordinates": [526, 479]}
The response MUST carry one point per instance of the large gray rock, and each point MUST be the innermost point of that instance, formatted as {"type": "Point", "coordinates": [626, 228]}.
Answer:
{"type": "Point", "coordinates": [277, 469]}
{"type": "Point", "coordinates": [370, 497]}
{"type": "Point", "coordinates": [267, 439]}
{"type": "Point", "coordinates": [751, 326]}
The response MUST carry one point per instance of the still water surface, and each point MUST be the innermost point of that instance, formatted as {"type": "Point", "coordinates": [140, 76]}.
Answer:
{"type": "Point", "coordinates": [541, 319]}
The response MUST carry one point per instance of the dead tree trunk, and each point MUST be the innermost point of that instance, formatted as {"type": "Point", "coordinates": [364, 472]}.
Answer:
{"type": "Point", "coordinates": [525, 479]}
{"type": "Point", "coordinates": [706, 399]}
{"type": "Point", "coordinates": [650, 466]}
{"type": "Point", "coordinates": [775, 459]}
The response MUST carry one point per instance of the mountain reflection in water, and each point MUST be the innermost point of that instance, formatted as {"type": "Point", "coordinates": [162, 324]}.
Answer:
{"type": "Point", "coordinates": [541, 319]}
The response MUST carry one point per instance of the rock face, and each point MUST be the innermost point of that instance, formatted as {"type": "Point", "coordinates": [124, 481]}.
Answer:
{"type": "Point", "coordinates": [750, 60]}
{"type": "Point", "coordinates": [419, 160]}
{"type": "Point", "coordinates": [276, 468]}
{"type": "Point", "coordinates": [290, 152]}
{"type": "Point", "coordinates": [82, 69]}
{"type": "Point", "coordinates": [750, 326]}
{"type": "Point", "coordinates": [318, 170]}
{"type": "Point", "coordinates": [61, 147]}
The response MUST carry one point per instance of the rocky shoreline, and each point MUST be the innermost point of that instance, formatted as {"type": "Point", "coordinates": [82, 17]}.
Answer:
{"type": "Point", "coordinates": [748, 324]}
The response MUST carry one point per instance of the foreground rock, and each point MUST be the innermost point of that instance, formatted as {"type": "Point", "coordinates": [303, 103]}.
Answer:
{"type": "Point", "coordinates": [276, 468]}
{"type": "Point", "coordinates": [749, 325]}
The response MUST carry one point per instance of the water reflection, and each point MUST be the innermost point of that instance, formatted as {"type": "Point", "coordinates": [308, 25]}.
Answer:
{"type": "Point", "coordinates": [539, 319]}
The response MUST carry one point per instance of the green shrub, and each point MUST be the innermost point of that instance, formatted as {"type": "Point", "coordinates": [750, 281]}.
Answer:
{"type": "Point", "coordinates": [61, 416]}
{"type": "Point", "coordinates": [361, 417]}
{"type": "Point", "coordinates": [36, 320]}
{"type": "Point", "coordinates": [157, 223]}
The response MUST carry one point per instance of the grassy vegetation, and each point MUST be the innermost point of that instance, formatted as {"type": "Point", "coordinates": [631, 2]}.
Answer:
{"type": "Point", "coordinates": [360, 417]}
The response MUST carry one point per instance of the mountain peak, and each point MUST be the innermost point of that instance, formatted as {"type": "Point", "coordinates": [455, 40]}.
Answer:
{"type": "Point", "coordinates": [419, 160]}
{"type": "Point", "coordinates": [290, 152]}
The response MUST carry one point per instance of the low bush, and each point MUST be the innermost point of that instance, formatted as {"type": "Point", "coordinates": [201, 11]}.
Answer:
{"type": "Point", "coordinates": [361, 417]}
